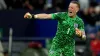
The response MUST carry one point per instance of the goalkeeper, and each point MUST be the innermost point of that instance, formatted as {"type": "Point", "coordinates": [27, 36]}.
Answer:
{"type": "Point", "coordinates": [69, 25]}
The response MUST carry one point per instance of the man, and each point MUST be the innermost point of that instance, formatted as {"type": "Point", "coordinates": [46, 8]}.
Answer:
{"type": "Point", "coordinates": [69, 25]}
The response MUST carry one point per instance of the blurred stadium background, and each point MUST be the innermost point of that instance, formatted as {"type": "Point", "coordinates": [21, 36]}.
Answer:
{"type": "Point", "coordinates": [24, 37]}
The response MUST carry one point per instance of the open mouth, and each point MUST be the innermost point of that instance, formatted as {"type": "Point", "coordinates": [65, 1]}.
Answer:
{"type": "Point", "coordinates": [70, 12]}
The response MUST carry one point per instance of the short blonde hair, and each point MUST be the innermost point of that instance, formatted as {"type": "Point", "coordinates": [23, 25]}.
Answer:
{"type": "Point", "coordinates": [75, 2]}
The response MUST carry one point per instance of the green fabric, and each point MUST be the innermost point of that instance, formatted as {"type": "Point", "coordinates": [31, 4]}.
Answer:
{"type": "Point", "coordinates": [63, 42]}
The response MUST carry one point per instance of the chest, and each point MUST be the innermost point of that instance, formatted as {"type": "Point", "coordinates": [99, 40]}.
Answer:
{"type": "Point", "coordinates": [69, 23]}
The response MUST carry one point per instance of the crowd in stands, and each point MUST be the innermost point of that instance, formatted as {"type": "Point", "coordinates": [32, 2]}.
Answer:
{"type": "Point", "coordinates": [89, 9]}
{"type": "Point", "coordinates": [44, 4]}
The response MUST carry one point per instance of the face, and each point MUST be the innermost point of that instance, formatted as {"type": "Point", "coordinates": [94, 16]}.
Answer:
{"type": "Point", "coordinates": [72, 9]}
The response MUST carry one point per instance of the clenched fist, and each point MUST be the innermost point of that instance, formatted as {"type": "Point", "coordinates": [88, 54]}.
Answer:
{"type": "Point", "coordinates": [78, 32]}
{"type": "Point", "coordinates": [28, 15]}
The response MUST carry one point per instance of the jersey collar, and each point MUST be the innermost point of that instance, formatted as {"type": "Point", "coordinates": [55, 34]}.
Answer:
{"type": "Point", "coordinates": [73, 18]}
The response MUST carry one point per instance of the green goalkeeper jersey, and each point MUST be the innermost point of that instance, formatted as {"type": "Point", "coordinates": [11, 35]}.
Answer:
{"type": "Point", "coordinates": [64, 38]}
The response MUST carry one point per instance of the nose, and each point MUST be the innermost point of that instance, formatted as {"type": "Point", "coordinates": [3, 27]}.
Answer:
{"type": "Point", "coordinates": [69, 9]}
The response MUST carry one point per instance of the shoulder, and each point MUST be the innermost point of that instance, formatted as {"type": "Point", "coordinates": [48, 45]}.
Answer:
{"type": "Point", "coordinates": [80, 19]}
{"type": "Point", "coordinates": [60, 13]}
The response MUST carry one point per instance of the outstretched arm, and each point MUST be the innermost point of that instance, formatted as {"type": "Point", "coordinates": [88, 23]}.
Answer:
{"type": "Point", "coordinates": [39, 16]}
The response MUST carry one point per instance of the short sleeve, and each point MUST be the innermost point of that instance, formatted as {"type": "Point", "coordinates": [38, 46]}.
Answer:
{"type": "Point", "coordinates": [81, 25]}
{"type": "Point", "coordinates": [58, 15]}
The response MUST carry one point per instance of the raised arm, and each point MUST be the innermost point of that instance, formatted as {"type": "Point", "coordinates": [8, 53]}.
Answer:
{"type": "Point", "coordinates": [80, 30]}
{"type": "Point", "coordinates": [39, 16]}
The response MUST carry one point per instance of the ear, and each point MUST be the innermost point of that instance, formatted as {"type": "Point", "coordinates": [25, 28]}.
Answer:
{"type": "Point", "coordinates": [77, 10]}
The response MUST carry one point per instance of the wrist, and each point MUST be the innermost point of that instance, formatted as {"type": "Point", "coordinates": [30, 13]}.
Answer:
{"type": "Point", "coordinates": [34, 16]}
{"type": "Point", "coordinates": [84, 37]}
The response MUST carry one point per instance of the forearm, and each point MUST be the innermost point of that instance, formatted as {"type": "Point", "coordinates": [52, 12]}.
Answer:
{"type": "Point", "coordinates": [83, 35]}
{"type": "Point", "coordinates": [42, 16]}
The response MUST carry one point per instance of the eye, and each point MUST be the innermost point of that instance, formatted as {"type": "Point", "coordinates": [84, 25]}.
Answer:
{"type": "Point", "coordinates": [71, 7]}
